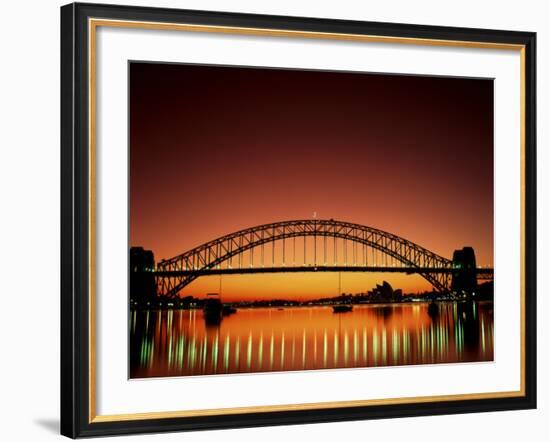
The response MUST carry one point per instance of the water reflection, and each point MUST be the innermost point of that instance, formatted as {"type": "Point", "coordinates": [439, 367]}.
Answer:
{"type": "Point", "coordinates": [182, 342]}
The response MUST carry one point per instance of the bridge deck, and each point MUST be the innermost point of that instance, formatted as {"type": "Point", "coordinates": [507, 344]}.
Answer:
{"type": "Point", "coordinates": [483, 273]}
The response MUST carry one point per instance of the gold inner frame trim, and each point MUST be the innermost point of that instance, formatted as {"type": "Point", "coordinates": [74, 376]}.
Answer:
{"type": "Point", "coordinates": [93, 24]}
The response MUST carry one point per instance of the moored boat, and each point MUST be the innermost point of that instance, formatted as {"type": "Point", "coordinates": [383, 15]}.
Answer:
{"type": "Point", "coordinates": [228, 310]}
{"type": "Point", "coordinates": [342, 308]}
{"type": "Point", "coordinates": [212, 308]}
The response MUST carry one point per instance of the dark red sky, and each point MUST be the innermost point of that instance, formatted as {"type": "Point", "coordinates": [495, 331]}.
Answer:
{"type": "Point", "coordinates": [217, 149]}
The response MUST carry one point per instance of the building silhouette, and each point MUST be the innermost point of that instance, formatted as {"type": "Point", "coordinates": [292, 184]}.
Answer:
{"type": "Point", "coordinates": [385, 293]}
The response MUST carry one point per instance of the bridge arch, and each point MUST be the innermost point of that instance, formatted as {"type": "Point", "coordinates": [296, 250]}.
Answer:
{"type": "Point", "coordinates": [213, 253]}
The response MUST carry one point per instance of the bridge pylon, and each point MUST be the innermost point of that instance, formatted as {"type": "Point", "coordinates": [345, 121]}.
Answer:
{"type": "Point", "coordinates": [143, 286]}
{"type": "Point", "coordinates": [464, 273]}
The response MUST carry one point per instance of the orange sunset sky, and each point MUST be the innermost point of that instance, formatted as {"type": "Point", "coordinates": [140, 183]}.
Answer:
{"type": "Point", "coordinates": [218, 149]}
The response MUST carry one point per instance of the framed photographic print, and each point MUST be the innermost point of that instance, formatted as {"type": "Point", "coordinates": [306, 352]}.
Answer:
{"type": "Point", "coordinates": [276, 220]}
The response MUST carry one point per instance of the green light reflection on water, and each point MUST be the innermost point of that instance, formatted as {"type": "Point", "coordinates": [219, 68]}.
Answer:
{"type": "Point", "coordinates": [282, 349]}
{"type": "Point", "coordinates": [226, 351]}
{"type": "Point", "coordinates": [325, 348]}
{"type": "Point", "coordinates": [271, 350]}
{"type": "Point", "coordinates": [384, 347]}
{"type": "Point", "coordinates": [395, 346]}
{"type": "Point", "coordinates": [249, 351]}
{"type": "Point", "coordinates": [185, 346]}
{"type": "Point", "coordinates": [355, 347]}
{"type": "Point", "coordinates": [483, 336]}
{"type": "Point", "coordinates": [237, 352]}
{"type": "Point", "coordinates": [346, 348]}
{"type": "Point", "coordinates": [365, 345]}
{"type": "Point", "coordinates": [304, 348]}
{"type": "Point", "coordinates": [293, 351]}
{"type": "Point", "coordinates": [215, 353]}
{"type": "Point", "coordinates": [375, 349]}
{"type": "Point", "coordinates": [204, 352]}
{"type": "Point", "coordinates": [170, 352]}
{"type": "Point", "coordinates": [261, 350]}
{"type": "Point", "coordinates": [335, 341]}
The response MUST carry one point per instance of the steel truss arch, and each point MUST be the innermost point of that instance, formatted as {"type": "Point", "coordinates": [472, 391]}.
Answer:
{"type": "Point", "coordinates": [213, 253]}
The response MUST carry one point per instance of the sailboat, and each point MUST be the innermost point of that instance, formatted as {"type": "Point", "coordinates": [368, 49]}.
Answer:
{"type": "Point", "coordinates": [341, 308]}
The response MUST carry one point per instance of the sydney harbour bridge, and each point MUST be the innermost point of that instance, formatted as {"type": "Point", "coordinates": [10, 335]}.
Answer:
{"type": "Point", "coordinates": [316, 245]}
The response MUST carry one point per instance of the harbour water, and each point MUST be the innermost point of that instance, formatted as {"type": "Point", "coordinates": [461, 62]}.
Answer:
{"type": "Point", "coordinates": [181, 343]}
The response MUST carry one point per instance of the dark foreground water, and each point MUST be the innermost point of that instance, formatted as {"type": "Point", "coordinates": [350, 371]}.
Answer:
{"type": "Point", "coordinates": [180, 343]}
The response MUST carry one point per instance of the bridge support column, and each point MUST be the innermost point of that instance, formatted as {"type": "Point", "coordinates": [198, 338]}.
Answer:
{"type": "Point", "coordinates": [464, 275]}
{"type": "Point", "coordinates": [143, 287]}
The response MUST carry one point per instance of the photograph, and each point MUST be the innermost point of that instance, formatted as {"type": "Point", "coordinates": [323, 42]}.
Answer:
{"type": "Point", "coordinates": [299, 219]}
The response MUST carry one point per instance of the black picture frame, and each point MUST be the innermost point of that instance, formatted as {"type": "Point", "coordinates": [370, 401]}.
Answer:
{"type": "Point", "coordinates": [76, 418]}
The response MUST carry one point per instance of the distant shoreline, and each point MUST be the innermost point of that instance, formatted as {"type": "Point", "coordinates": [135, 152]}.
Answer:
{"type": "Point", "coordinates": [238, 305]}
